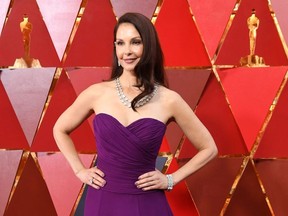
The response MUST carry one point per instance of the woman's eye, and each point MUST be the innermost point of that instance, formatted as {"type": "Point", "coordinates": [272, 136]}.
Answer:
{"type": "Point", "coordinates": [119, 43]}
{"type": "Point", "coordinates": [137, 42]}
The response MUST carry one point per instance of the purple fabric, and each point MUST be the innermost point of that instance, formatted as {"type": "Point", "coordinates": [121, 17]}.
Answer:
{"type": "Point", "coordinates": [125, 153]}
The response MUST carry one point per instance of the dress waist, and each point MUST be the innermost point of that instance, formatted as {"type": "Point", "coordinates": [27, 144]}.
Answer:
{"type": "Point", "coordinates": [121, 177]}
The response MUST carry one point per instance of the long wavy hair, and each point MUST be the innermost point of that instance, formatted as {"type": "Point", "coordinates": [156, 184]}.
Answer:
{"type": "Point", "coordinates": [150, 68]}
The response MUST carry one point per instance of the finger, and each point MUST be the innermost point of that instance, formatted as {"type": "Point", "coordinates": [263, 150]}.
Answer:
{"type": "Point", "coordinates": [147, 175]}
{"type": "Point", "coordinates": [98, 171]}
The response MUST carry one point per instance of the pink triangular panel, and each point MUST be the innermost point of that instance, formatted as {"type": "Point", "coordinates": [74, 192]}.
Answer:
{"type": "Point", "coordinates": [93, 42]}
{"type": "Point", "coordinates": [31, 195]}
{"type": "Point", "coordinates": [146, 8]}
{"type": "Point", "coordinates": [212, 17]}
{"type": "Point", "coordinates": [9, 162]}
{"type": "Point", "coordinates": [179, 37]}
{"type": "Point", "coordinates": [84, 77]}
{"type": "Point", "coordinates": [189, 84]}
{"type": "Point", "coordinates": [59, 17]}
{"type": "Point", "coordinates": [28, 90]}
{"type": "Point", "coordinates": [11, 44]}
{"type": "Point", "coordinates": [3, 12]}
{"type": "Point", "coordinates": [184, 206]}
{"type": "Point", "coordinates": [11, 133]}
{"type": "Point", "coordinates": [216, 115]}
{"type": "Point", "coordinates": [274, 180]}
{"type": "Point", "coordinates": [63, 96]}
{"type": "Point", "coordinates": [211, 185]}
{"type": "Point", "coordinates": [250, 92]}
{"type": "Point", "coordinates": [56, 178]}
{"type": "Point", "coordinates": [280, 7]}
{"type": "Point", "coordinates": [236, 43]}
{"type": "Point", "coordinates": [274, 142]}
{"type": "Point", "coordinates": [248, 198]}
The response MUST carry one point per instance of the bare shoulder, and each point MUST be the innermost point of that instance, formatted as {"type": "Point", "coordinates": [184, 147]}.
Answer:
{"type": "Point", "coordinates": [169, 96]}
{"type": "Point", "coordinates": [97, 90]}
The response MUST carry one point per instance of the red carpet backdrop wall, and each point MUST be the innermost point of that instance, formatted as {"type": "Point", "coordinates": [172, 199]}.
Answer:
{"type": "Point", "coordinates": [243, 103]}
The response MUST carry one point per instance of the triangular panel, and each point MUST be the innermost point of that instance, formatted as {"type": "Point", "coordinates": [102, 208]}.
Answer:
{"type": "Point", "coordinates": [63, 96]}
{"type": "Point", "coordinates": [93, 42]}
{"type": "Point", "coordinates": [3, 12]}
{"type": "Point", "coordinates": [216, 115]}
{"type": "Point", "coordinates": [56, 178]}
{"type": "Point", "coordinates": [212, 16]}
{"type": "Point", "coordinates": [11, 44]}
{"type": "Point", "coordinates": [31, 194]}
{"type": "Point", "coordinates": [248, 198]}
{"type": "Point", "coordinates": [179, 37]}
{"type": "Point", "coordinates": [251, 92]}
{"type": "Point", "coordinates": [28, 90]}
{"type": "Point", "coordinates": [236, 43]}
{"type": "Point", "coordinates": [274, 180]}
{"type": "Point", "coordinates": [211, 185]}
{"type": "Point", "coordinates": [280, 8]}
{"type": "Point", "coordinates": [84, 77]}
{"type": "Point", "coordinates": [9, 162]}
{"type": "Point", "coordinates": [59, 17]}
{"type": "Point", "coordinates": [146, 8]}
{"type": "Point", "coordinates": [274, 142]}
{"type": "Point", "coordinates": [11, 133]}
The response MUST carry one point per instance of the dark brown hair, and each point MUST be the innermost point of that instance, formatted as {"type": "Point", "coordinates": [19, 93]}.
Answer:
{"type": "Point", "coordinates": [150, 68]}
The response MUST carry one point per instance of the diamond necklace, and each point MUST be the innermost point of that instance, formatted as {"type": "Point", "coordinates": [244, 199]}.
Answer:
{"type": "Point", "coordinates": [125, 100]}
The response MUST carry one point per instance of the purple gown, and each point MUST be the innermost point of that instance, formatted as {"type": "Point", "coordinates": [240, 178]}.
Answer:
{"type": "Point", "coordinates": [125, 153]}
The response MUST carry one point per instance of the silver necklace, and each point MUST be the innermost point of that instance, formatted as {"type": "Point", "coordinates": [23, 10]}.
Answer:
{"type": "Point", "coordinates": [125, 100]}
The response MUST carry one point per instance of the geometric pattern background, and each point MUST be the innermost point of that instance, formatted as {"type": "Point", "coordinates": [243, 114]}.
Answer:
{"type": "Point", "coordinates": [244, 108]}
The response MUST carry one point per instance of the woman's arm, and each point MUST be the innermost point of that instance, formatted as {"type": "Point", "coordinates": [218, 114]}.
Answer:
{"type": "Point", "coordinates": [80, 110]}
{"type": "Point", "coordinates": [197, 134]}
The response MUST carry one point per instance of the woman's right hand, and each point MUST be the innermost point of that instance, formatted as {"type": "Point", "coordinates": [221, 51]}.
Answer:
{"type": "Point", "coordinates": [93, 177]}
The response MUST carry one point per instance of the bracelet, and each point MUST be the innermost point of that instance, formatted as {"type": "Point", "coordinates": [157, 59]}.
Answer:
{"type": "Point", "coordinates": [170, 182]}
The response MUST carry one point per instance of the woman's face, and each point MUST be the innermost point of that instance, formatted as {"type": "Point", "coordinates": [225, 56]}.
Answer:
{"type": "Point", "coordinates": [129, 46]}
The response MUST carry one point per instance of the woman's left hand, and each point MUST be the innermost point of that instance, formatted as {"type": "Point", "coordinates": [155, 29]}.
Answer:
{"type": "Point", "coordinates": [152, 180]}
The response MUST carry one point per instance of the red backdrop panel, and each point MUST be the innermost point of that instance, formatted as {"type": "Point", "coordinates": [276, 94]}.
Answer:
{"type": "Point", "coordinates": [59, 17]}
{"type": "Point", "coordinates": [248, 198]}
{"type": "Point", "coordinates": [211, 17]}
{"type": "Point", "coordinates": [146, 8]}
{"type": "Point", "coordinates": [31, 196]}
{"type": "Point", "coordinates": [275, 138]}
{"type": "Point", "coordinates": [216, 115]}
{"type": "Point", "coordinates": [11, 133]}
{"type": "Point", "coordinates": [9, 162]}
{"type": "Point", "coordinates": [274, 180]}
{"type": "Point", "coordinates": [268, 43]}
{"type": "Point", "coordinates": [57, 178]}
{"type": "Point", "coordinates": [11, 45]}
{"type": "Point", "coordinates": [63, 96]}
{"type": "Point", "coordinates": [93, 42]}
{"type": "Point", "coordinates": [251, 92]}
{"type": "Point", "coordinates": [28, 90]}
{"type": "Point", "coordinates": [213, 183]}
{"type": "Point", "coordinates": [179, 37]}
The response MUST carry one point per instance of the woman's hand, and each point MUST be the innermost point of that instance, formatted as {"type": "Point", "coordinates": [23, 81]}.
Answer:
{"type": "Point", "coordinates": [152, 180]}
{"type": "Point", "coordinates": [93, 177]}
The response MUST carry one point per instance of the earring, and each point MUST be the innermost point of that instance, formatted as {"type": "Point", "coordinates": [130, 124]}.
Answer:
{"type": "Point", "coordinates": [119, 63]}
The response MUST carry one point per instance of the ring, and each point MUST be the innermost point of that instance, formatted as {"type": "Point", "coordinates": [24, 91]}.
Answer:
{"type": "Point", "coordinates": [91, 181]}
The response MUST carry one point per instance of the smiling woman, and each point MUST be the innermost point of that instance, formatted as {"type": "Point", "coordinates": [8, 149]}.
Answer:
{"type": "Point", "coordinates": [132, 110]}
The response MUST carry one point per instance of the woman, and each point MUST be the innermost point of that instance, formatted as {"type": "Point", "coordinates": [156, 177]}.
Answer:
{"type": "Point", "coordinates": [129, 133]}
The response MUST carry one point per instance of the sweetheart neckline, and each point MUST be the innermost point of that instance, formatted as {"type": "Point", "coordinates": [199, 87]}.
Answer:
{"type": "Point", "coordinates": [130, 124]}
